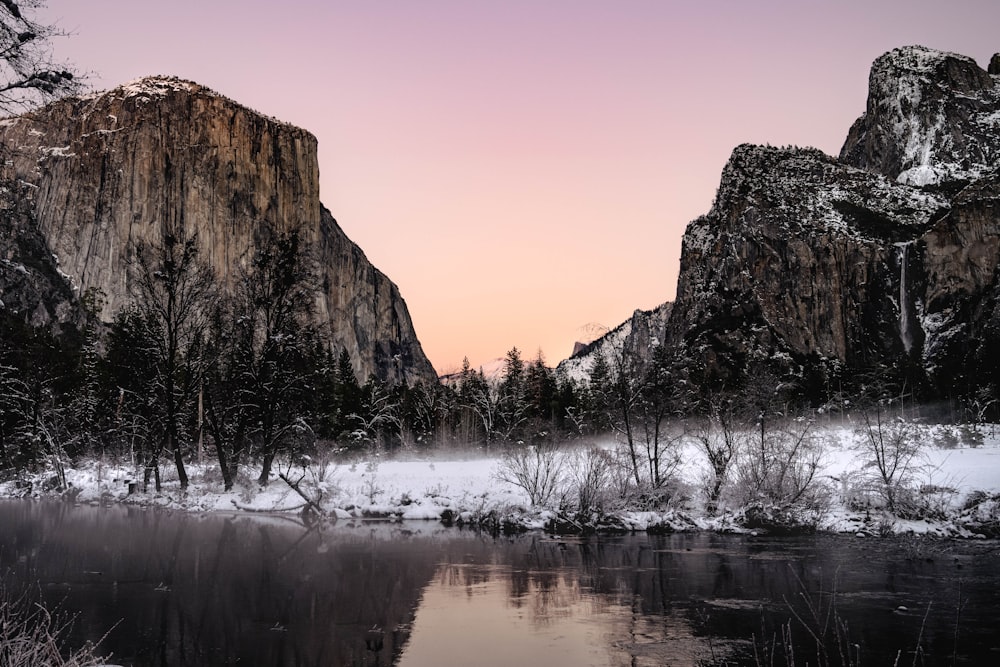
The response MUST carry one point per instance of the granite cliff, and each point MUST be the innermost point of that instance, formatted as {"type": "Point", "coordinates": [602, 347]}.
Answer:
{"type": "Point", "coordinates": [99, 173]}
{"type": "Point", "coordinates": [886, 257]}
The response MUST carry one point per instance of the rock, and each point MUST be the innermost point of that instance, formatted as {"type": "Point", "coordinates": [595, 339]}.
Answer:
{"type": "Point", "coordinates": [796, 264]}
{"type": "Point", "coordinates": [107, 170]}
{"type": "Point", "coordinates": [821, 269]}
{"type": "Point", "coordinates": [30, 279]}
{"type": "Point", "coordinates": [637, 337]}
{"type": "Point", "coordinates": [994, 67]}
{"type": "Point", "coordinates": [929, 119]}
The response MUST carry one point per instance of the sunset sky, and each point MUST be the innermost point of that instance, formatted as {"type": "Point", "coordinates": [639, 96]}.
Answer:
{"type": "Point", "coordinates": [524, 170]}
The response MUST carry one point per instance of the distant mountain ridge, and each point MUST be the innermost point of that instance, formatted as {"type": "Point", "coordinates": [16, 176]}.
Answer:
{"type": "Point", "coordinates": [96, 173]}
{"type": "Point", "coordinates": [884, 257]}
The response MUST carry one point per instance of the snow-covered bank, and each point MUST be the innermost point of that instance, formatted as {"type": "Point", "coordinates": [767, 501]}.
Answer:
{"type": "Point", "coordinates": [961, 481]}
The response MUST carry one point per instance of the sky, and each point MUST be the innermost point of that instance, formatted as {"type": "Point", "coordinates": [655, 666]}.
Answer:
{"type": "Point", "coordinates": [524, 170]}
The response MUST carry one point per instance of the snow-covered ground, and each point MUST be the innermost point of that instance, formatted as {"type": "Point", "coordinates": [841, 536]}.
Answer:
{"type": "Point", "coordinates": [452, 488]}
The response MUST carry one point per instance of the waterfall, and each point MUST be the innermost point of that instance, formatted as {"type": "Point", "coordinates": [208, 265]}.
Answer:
{"type": "Point", "coordinates": [905, 321]}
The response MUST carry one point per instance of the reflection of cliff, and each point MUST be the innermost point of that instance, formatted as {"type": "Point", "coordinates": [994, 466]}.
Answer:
{"type": "Point", "coordinates": [549, 602]}
{"type": "Point", "coordinates": [690, 600]}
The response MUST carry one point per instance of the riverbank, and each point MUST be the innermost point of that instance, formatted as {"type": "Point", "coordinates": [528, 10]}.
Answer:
{"type": "Point", "coordinates": [960, 486]}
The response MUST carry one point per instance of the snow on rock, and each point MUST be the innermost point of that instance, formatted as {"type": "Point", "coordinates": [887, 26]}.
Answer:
{"type": "Point", "coordinates": [156, 86]}
{"type": "Point", "coordinates": [929, 118]}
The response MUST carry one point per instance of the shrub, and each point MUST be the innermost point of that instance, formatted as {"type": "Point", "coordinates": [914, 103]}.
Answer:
{"type": "Point", "coordinates": [778, 466]}
{"type": "Point", "coordinates": [30, 635]}
{"type": "Point", "coordinates": [592, 473]}
{"type": "Point", "coordinates": [890, 454]}
{"type": "Point", "coordinates": [537, 469]}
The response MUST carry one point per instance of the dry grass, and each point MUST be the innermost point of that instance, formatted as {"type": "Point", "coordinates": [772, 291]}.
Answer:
{"type": "Point", "coordinates": [30, 636]}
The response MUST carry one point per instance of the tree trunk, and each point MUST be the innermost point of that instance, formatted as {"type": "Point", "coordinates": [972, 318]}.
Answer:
{"type": "Point", "coordinates": [152, 465]}
{"type": "Point", "coordinates": [4, 456]}
{"type": "Point", "coordinates": [265, 468]}
{"type": "Point", "coordinates": [178, 460]}
{"type": "Point", "coordinates": [220, 444]}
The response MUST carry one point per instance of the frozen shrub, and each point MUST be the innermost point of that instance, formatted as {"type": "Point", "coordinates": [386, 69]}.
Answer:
{"type": "Point", "coordinates": [592, 474]}
{"type": "Point", "coordinates": [719, 438]}
{"type": "Point", "coordinates": [30, 635]}
{"type": "Point", "coordinates": [890, 455]}
{"type": "Point", "coordinates": [537, 469]}
{"type": "Point", "coordinates": [777, 464]}
{"type": "Point", "coordinates": [981, 514]}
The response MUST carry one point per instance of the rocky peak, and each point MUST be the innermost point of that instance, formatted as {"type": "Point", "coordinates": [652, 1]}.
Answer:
{"type": "Point", "coordinates": [107, 170]}
{"type": "Point", "coordinates": [994, 67]}
{"type": "Point", "coordinates": [822, 269]}
{"type": "Point", "coordinates": [931, 119]}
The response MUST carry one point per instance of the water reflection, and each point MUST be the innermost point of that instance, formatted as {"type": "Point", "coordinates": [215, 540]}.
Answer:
{"type": "Point", "coordinates": [180, 589]}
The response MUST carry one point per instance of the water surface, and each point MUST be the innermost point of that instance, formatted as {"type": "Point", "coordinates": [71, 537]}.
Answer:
{"type": "Point", "coordinates": [167, 588]}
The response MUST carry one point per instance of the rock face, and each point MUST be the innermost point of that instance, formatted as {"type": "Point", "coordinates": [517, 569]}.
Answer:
{"type": "Point", "coordinates": [636, 337]}
{"type": "Point", "coordinates": [796, 259]}
{"type": "Point", "coordinates": [31, 285]}
{"type": "Point", "coordinates": [108, 170]}
{"type": "Point", "coordinates": [931, 118]}
{"type": "Point", "coordinates": [886, 257]}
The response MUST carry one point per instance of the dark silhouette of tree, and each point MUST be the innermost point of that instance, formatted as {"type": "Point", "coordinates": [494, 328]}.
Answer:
{"type": "Point", "coordinates": [276, 343]}
{"type": "Point", "coordinates": [173, 292]}
{"type": "Point", "coordinates": [28, 73]}
{"type": "Point", "coordinates": [129, 374]}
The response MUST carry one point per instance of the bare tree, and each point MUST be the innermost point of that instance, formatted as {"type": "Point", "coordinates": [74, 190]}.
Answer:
{"type": "Point", "coordinates": [638, 398]}
{"type": "Point", "coordinates": [890, 453]}
{"type": "Point", "coordinates": [275, 340]}
{"type": "Point", "coordinates": [620, 393]}
{"type": "Point", "coordinates": [719, 436]}
{"type": "Point", "coordinates": [778, 462]}
{"type": "Point", "coordinates": [538, 470]}
{"type": "Point", "coordinates": [173, 290]}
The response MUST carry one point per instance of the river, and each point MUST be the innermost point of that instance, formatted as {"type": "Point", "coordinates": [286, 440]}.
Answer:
{"type": "Point", "coordinates": [165, 588]}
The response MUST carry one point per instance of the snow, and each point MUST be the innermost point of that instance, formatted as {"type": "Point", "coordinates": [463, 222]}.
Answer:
{"type": "Point", "coordinates": [468, 489]}
{"type": "Point", "coordinates": [921, 175]}
{"type": "Point", "coordinates": [578, 369]}
{"type": "Point", "coordinates": [149, 87]}
{"type": "Point", "coordinates": [919, 59]}
{"type": "Point", "coordinates": [56, 151]}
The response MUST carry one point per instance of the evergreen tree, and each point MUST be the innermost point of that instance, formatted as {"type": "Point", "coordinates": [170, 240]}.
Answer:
{"type": "Point", "coordinates": [512, 401]}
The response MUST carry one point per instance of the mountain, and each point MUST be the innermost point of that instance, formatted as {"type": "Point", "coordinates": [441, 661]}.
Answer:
{"type": "Point", "coordinates": [96, 174]}
{"type": "Point", "coordinates": [637, 335]}
{"type": "Point", "coordinates": [887, 256]}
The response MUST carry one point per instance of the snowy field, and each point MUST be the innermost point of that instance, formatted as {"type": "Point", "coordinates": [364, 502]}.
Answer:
{"type": "Point", "coordinates": [453, 488]}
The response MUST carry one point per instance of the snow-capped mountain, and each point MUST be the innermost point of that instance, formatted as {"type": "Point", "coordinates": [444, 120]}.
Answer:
{"type": "Point", "coordinates": [887, 256]}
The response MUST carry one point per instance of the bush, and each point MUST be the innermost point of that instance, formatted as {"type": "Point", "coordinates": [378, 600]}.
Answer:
{"type": "Point", "coordinates": [981, 514]}
{"type": "Point", "coordinates": [31, 636]}
{"type": "Point", "coordinates": [781, 520]}
{"type": "Point", "coordinates": [778, 466]}
{"type": "Point", "coordinates": [537, 469]}
{"type": "Point", "coordinates": [891, 455]}
{"type": "Point", "coordinates": [592, 475]}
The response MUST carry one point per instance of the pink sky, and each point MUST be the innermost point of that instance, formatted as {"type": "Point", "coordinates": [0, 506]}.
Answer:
{"type": "Point", "coordinates": [523, 169]}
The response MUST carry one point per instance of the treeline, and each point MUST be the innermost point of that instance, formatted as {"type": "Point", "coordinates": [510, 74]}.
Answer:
{"type": "Point", "coordinates": [239, 372]}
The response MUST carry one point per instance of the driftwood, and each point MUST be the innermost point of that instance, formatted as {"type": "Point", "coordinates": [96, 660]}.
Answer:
{"type": "Point", "coordinates": [309, 501]}
{"type": "Point", "coordinates": [265, 510]}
